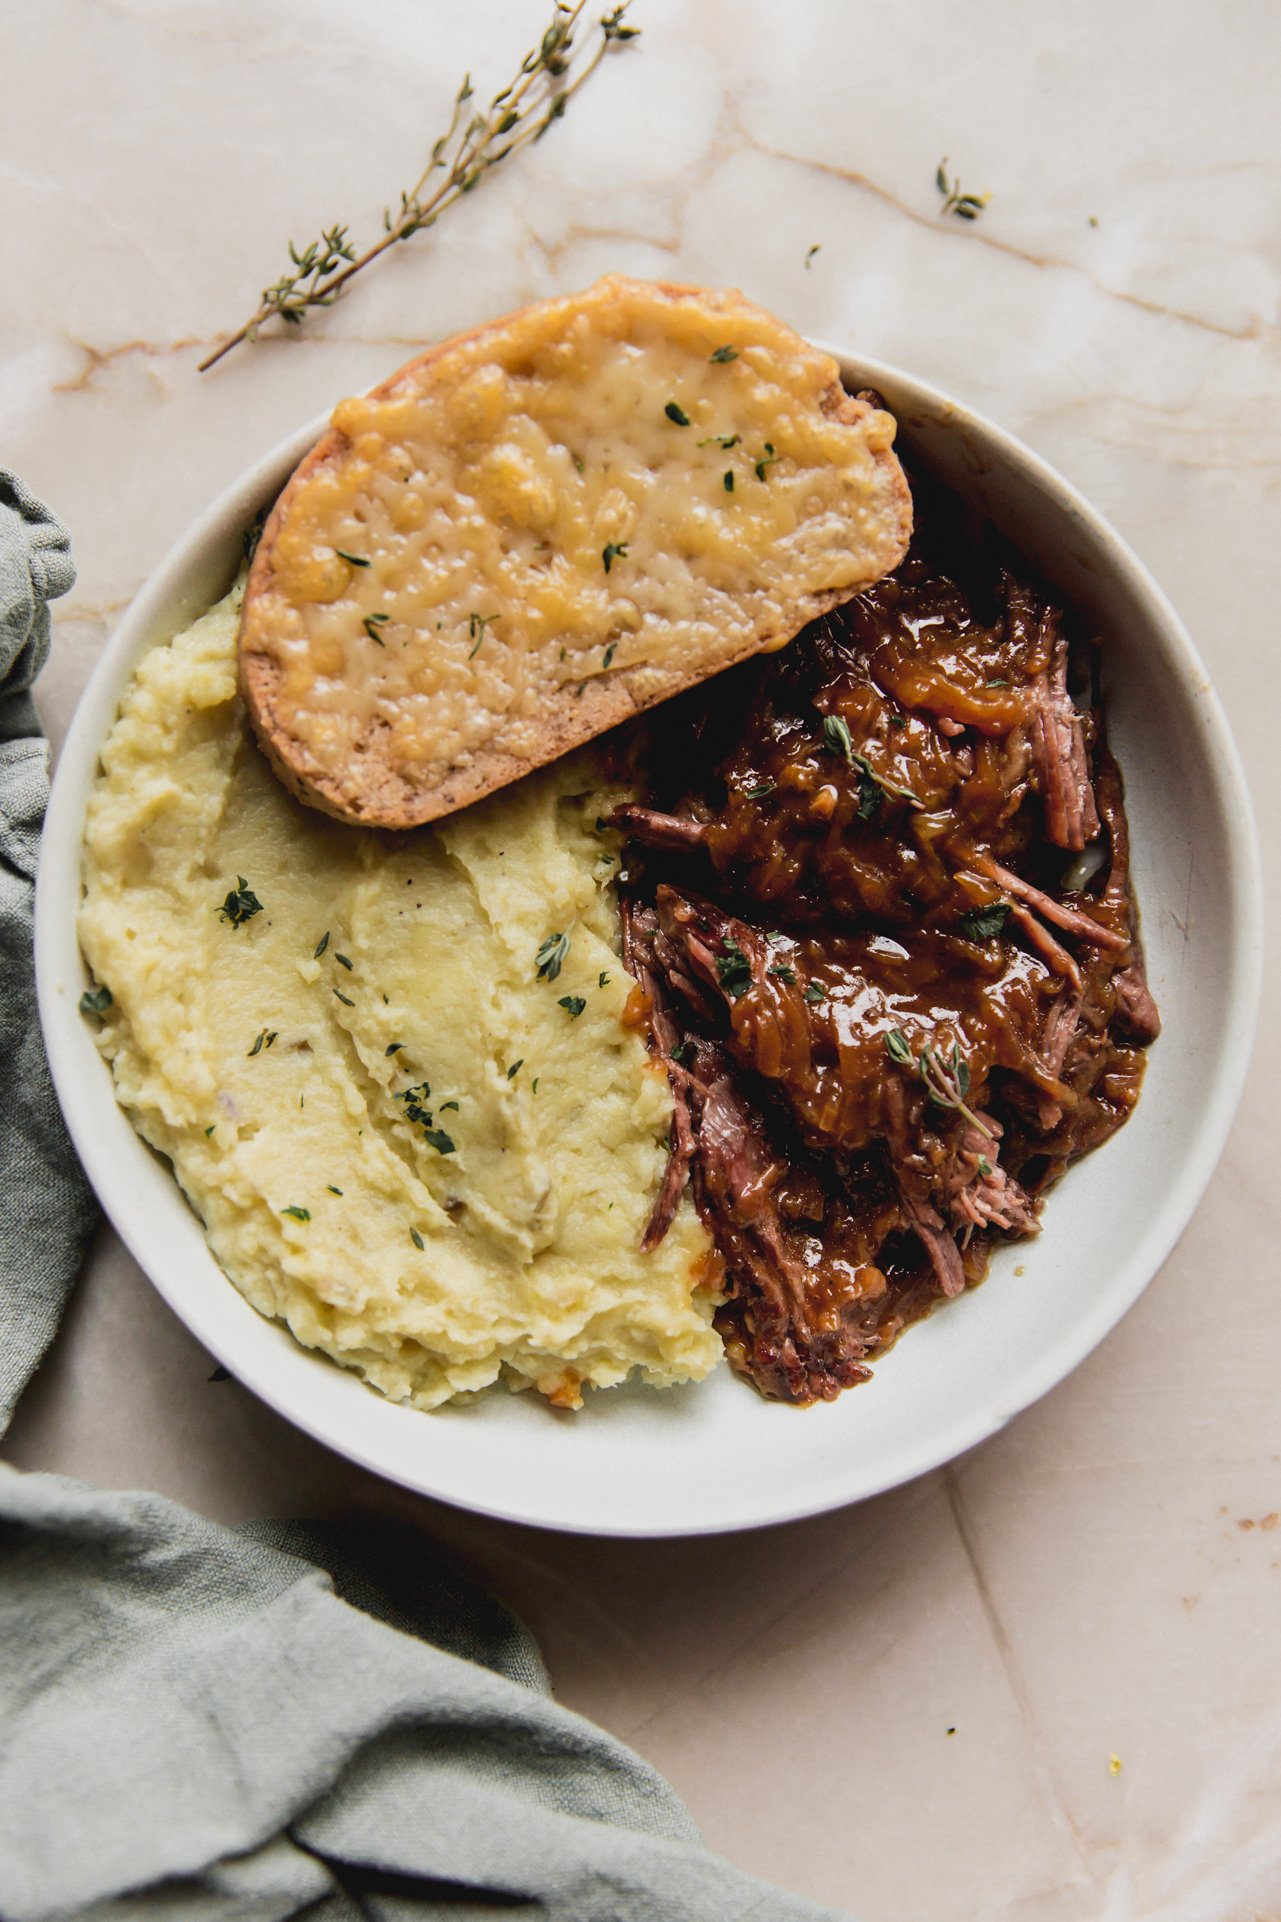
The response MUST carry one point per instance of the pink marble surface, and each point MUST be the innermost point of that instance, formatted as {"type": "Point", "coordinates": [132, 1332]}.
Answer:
{"type": "Point", "coordinates": [1102, 1580]}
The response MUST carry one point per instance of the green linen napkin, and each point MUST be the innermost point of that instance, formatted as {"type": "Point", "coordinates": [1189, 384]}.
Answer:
{"type": "Point", "coordinates": [278, 1721]}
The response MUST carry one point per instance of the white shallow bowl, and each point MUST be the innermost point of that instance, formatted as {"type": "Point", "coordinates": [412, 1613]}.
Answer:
{"type": "Point", "coordinates": [715, 1456]}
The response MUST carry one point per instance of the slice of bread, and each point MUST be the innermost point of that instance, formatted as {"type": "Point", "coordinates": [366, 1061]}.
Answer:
{"type": "Point", "coordinates": [535, 530]}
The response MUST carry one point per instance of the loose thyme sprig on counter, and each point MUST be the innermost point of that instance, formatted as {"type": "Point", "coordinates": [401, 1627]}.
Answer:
{"type": "Point", "coordinates": [522, 111]}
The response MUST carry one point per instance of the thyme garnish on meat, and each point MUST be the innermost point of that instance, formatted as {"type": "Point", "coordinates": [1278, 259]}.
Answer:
{"type": "Point", "coordinates": [471, 145]}
{"type": "Point", "coordinates": [837, 739]}
{"type": "Point", "coordinates": [733, 969]}
{"type": "Point", "coordinates": [946, 1082]}
{"type": "Point", "coordinates": [984, 924]}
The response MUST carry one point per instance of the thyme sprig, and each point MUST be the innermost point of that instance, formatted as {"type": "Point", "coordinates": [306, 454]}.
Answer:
{"type": "Point", "coordinates": [837, 739]}
{"type": "Point", "coordinates": [472, 144]}
{"type": "Point", "coordinates": [946, 1081]}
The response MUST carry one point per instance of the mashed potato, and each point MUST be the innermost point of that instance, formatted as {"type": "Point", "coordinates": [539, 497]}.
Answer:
{"type": "Point", "coordinates": [430, 1162]}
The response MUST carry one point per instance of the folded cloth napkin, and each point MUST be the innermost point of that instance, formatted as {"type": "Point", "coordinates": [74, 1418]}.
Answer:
{"type": "Point", "coordinates": [279, 1720]}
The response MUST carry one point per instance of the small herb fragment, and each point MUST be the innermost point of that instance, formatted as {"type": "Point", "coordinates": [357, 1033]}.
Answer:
{"type": "Point", "coordinates": [476, 625]}
{"type": "Point", "coordinates": [265, 1038]}
{"type": "Point", "coordinates": [683, 1052]}
{"type": "Point", "coordinates": [550, 958]}
{"type": "Point", "coordinates": [241, 904]}
{"type": "Point", "coordinates": [414, 1099]}
{"type": "Point", "coordinates": [964, 206]}
{"type": "Point", "coordinates": [297, 1214]}
{"type": "Point", "coordinates": [352, 560]}
{"type": "Point", "coordinates": [344, 998]}
{"type": "Point", "coordinates": [95, 1000]}
{"type": "Point", "coordinates": [782, 972]}
{"type": "Point", "coordinates": [817, 248]}
{"type": "Point", "coordinates": [417, 1111]}
{"type": "Point", "coordinates": [320, 946]}
{"type": "Point", "coordinates": [984, 924]}
{"type": "Point", "coordinates": [722, 355]}
{"type": "Point", "coordinates": [209, 1130]}
{"type": "Point", "coordinates": [733, 969]}
{"type": "Point", "coordinates": [448, 1104]}
{"type": "Point", "coordinates": [727, 480]}
{"type": "Point", "coordinates": [515, 1068]}
{"type": "Point", "coordinates": [759, 792]}
{"type": "Point", "coordinates": [946, 1082]}
{"type": "Point", "coordinates": [342, 961]}
{"type": "Point", "coordinates": [837, 738]}
{"type": "Point", "coordinates": [371, 625]}
{"type": "Point", "coordinates": [613, 551]}
{"type": "Point", "coordinates": [814, 994]}
{"type": "Point", "coordinates": [603, 979]}
{"type": "Point", "coordinates": [393, 1047]}
{"type": "Point", "coordinates": [416, 1238]}
{"type": "Point", "coordinates": [767, 459]}
{"type": "Point", "coordinates": [720, 440]}
{"type": "Point", "coordinates": [676, 413]}
{"type": "Point", "coordinates": [573, 1005]}
{"type": "Point", "coordinates": [609, 653]}
{"type": "Point", "coordinates": [332, 1189]}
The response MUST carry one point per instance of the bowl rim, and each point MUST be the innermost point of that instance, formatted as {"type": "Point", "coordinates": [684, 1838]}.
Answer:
{"type": "Point", "coordinates": [61, 974]}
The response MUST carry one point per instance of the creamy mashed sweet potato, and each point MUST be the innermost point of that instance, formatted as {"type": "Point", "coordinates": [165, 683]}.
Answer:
{"type": "Point", "coordinates": [430, 1162]}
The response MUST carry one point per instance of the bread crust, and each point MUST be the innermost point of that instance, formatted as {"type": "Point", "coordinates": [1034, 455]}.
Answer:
{"type": "Point", "coordinates": [387, 799]}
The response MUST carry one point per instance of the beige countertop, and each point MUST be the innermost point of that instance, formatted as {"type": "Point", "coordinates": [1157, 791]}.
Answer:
{"type": "Point", "coordinates": [1042, 1683]}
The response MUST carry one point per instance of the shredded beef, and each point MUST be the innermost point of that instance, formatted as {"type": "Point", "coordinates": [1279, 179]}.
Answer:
{"type": "Point", "coordinates": [890, 1013]}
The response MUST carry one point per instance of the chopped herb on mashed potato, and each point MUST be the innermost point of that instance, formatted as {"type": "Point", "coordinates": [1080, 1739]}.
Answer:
{"type": "Point", "coordinates": [330, 1071]}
